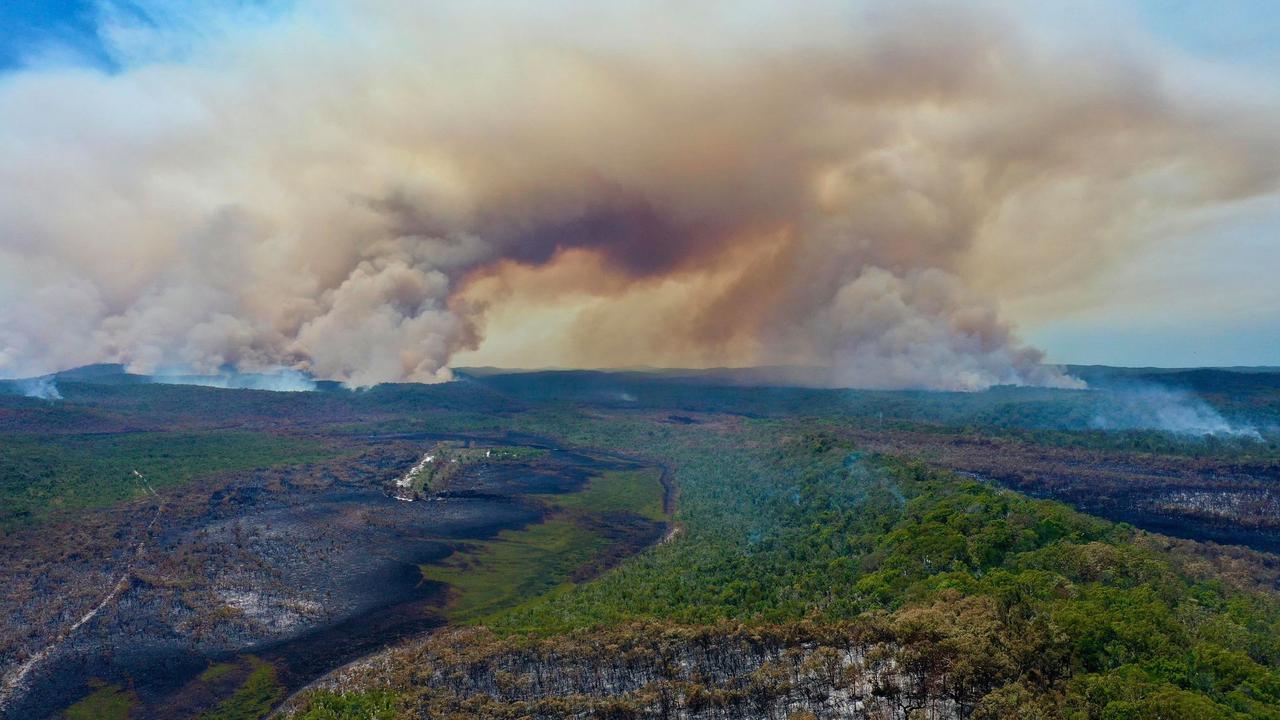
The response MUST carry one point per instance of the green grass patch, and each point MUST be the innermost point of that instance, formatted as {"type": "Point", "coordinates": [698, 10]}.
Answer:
{"type": "Point", "coordinates": [634, 491]}
{"type": "Point", "coordinates": [217, 672]}
{"type": "Point", "coordinates": [517, 565]}
{"type": "Point", "coordinates": [326, 705]}
{"type": "Point", "coordinates": [108, 702]}
{"type": "Point", "coordinates": [255, 697]}
{"type": "Point", "coordinates": [520, 565]}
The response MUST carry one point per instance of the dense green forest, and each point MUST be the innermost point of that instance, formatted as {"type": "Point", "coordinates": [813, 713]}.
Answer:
{"type": "Point", "coordinates": [1064, 615]}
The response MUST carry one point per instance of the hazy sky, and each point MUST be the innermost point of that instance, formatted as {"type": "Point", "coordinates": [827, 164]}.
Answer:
{"type": "Point", "coordinates": [922, 194]}
{"type": "Point", "coordinates": [1213, 298]}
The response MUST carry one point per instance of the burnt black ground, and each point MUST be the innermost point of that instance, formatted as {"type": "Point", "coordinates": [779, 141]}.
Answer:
{"type": "Point", "coordinates": [348, 556]}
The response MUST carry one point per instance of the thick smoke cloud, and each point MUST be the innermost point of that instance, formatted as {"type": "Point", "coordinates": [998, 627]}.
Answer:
{"type": "Point", "coordinates": [362, 191]}
{"type": "Point", "coordinates": [891, 331]}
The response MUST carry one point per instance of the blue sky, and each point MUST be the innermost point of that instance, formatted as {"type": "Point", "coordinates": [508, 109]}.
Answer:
{"type": "Point", "coordinates": [1235, 31]}
{"type": "Point", "coordinates": [70, 32]}
{"type": "Point", "coordinates": [34, 28]}
{"type": "Point", "coordinates": [1239, 31]}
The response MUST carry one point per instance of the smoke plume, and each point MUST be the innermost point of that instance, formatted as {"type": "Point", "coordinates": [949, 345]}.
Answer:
{"type": "Point", "coordinates": [277, 380]}
{"type": "Point", "coordinates": [362, 191]}
{"type": "Point", "coordinates": [1136, 407]}
{"type": "Point", "coordinates": [43, 388]}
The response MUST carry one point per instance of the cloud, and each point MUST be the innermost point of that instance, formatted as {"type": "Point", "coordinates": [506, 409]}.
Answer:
{"type": "Point", "coordinates": [363, 191]}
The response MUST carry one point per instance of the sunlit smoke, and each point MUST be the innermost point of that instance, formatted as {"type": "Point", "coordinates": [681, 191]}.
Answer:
{"type": "Point", "coordinates": [363, 191]}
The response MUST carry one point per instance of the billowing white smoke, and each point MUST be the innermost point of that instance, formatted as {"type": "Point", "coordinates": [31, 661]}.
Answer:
{"type": "Point", "coordinates": [391, 314]}
{"type": "Point", "coordinates": [1171, 410]}
{"type": "Point", "coordinates": [889, 331]}
{"type": "Point", "coordinates": [349, 188]}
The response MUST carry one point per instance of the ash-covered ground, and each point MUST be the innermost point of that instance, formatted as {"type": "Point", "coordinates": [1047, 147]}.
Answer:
{"type": "Point", "coordinates": [305, 568]}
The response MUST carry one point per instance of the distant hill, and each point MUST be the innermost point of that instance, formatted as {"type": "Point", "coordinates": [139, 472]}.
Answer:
{"type": "Point", "coordinates": [102, 373]}
{"type": "Point", "coordinates": [1209, 380]}
{"type": "Point", "coordinates": [1204, 380]}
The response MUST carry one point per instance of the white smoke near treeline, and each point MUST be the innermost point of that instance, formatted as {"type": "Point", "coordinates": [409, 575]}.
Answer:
{"type": "Point", "coordinates": [360, 191]}
{"type": "Point", "coordinates": [273, 379]}
{"type": "Point", "coordinates": [1130, 407]}
{"type": "Point", "coordinates": [42, 388]}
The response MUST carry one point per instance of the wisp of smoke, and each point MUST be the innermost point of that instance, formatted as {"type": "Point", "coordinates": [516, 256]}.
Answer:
{"type": "Point", "coordinates": [361, 191]}
{"type": "Point", "coordinates": [44, 388]}
{"type": "Point", "coordinates": [277, 380]}
{"type": "Point", "coordinates": [1170, 410]}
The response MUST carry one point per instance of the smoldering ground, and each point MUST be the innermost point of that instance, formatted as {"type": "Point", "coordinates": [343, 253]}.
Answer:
{"type": "Point", "coordinates": [361, 191]}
